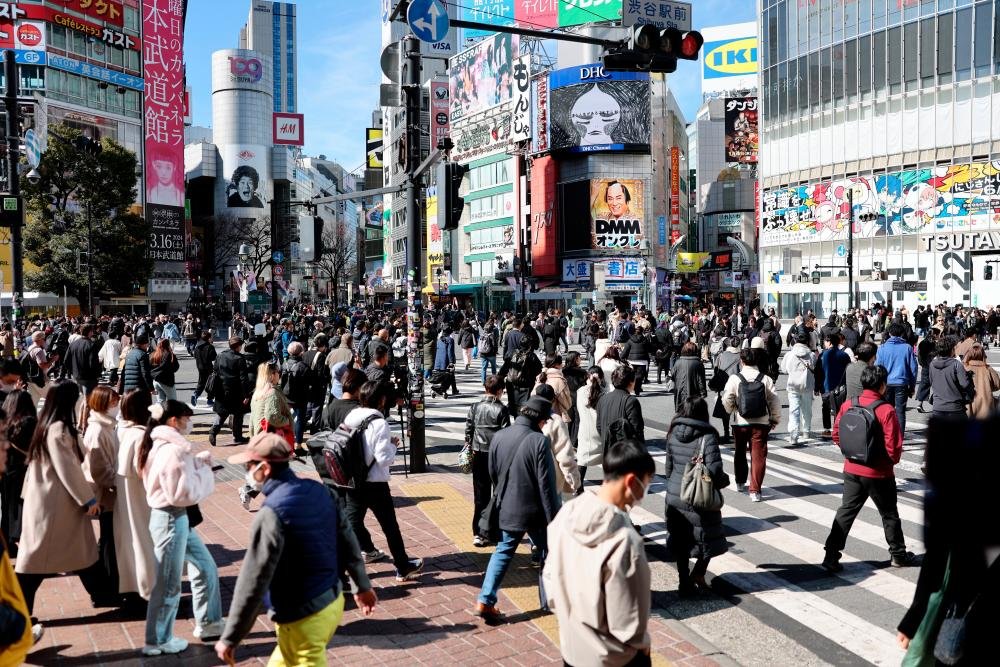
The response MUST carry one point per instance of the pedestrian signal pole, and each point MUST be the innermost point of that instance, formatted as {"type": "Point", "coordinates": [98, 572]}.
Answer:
{"type": "Point", "coordinates": [13, 181]}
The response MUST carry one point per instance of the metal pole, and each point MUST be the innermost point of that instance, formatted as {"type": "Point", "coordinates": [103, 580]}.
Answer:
{"type": "Point", "coordinates": [13, 181]}
{"type": "Point", "coordinates": [410, 50]}
{"type": "Point", "coordinates": [850, 251]}
{"type": "Point", "coordinates": [90, 262]}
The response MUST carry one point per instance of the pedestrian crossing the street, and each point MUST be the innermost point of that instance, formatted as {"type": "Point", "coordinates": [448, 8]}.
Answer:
{"type": "Point", "coordinates": [776, 546]}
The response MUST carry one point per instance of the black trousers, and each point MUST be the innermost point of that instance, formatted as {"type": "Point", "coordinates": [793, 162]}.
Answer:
{"type": "Point", "coordinates": [640, 660]}
{"type": "Point", "coordinates": [482, 487]}
{"type": "Point", "coordinates": [516, 397]}
{"type": "Point", "coordinates": [857, 490]}
{"type": "Point", "coordinates": [375, 496]}
{"type": "Point", "coordinates": [92, 578]}
{"type": "Point", "coordinates": [202, 380]}
{"type": "Point", "coordinates": [11, 506]}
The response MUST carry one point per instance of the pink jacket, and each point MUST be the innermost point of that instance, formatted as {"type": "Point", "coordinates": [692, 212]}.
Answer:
{"type": "Point", "coordinates": [173, 476]}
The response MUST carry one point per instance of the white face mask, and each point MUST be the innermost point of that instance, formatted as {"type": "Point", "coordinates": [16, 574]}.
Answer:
{"type": "Point", "coordinates": [187, 428]}
{"type": "Point", "coordinates": [249, 477]}
{"type": "Point", "coordinates": [637, 499]}
{"type": "Point", "coordinates": [114, 411]}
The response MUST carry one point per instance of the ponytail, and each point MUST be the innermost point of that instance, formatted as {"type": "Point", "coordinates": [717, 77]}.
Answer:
{"type": "Point", "coordinates": [595, 381]}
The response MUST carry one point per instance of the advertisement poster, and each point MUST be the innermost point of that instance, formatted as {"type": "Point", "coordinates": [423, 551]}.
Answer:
{"type": "Point", "coordinates": [617, 213]}
{"type": "Point", "coordinates": [537, 14]}
{"type": "Point", "coordinates": [483, 134]}
{"type": "Point", "coordinates": [440, 124]}
{"type": "Point", "coordinates": [675, 186]}
{"type": "Point", "coordinates": [729, 57]}
{"type": "Point", "coordinates": [245, 178]}
{"type": "Point", "coordinates": [164, 126]}
{"type": "Point", "coordinates": [521, 107]}
{"type": "Point", "coordinates": [949, 198]}
{"type": "Point", "coordinates": [481, 77]}
{"type": "Point", "coordinates": [544, 221]}
{"type": "Point", "coordinates": [111, 11]}
{"type": "Point", "coordinates": [540, 115]}
{"type": "Point", "coordinates": [594, 110]}
{"type": "Point", "coordinates": [741, 130]}
{"type": "Point", "coordinates": [373, 147]}
{"type": "Point", "coordinates": [287, 129]}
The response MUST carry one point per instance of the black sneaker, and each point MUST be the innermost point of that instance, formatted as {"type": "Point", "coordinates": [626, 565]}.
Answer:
{"type": "Point", "coordinates": [906, 559]}
{"type": "Point", "coordinates": [412, 570]}
{"type": "Point", "coordinates": [832, 564]}
{"type": "Point", "coordinates": [211, 438]}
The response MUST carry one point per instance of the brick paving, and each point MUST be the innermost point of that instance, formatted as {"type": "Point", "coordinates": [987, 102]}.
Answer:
{"type": "Point", "coordinates": [427, 622]}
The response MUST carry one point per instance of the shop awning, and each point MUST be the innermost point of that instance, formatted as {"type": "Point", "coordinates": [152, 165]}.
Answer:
{"type": "Point", "coordinates": [464, 289]}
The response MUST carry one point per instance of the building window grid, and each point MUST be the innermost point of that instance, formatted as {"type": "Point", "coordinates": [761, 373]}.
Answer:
{"type": "Point", "coordinates": [808, 87]}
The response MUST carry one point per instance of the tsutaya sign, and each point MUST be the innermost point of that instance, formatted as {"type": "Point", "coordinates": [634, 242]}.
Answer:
{"type": "Point", "coordinates": [967, 241]}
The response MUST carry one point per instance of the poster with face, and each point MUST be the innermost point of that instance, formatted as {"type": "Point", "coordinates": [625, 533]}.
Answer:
{"type": "Point", "coordinates": [617, 212]}
{"type": "Point", "coordinates": [166, 182]}
{"type": "Point", "coordinates": [594, 110]}
{"type": "Point", "coordinates": [247, 185]}
{"type": "Point", "coordinates": [741, 130]}
{"type": "Point", "coordinates": [481, 77]}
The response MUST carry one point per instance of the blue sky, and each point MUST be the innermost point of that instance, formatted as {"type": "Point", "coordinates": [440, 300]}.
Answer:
{"type": "Point", "coordinates": [339, 48]}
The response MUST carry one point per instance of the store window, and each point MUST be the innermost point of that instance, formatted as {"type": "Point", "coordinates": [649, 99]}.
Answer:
{"type": "Point", "coordinates": [945, 46]}
{"type": "Point", "coordinates": [131, 18]}
{"type": "Point", "coordinates": [77, 43]}
{"type": "Point", "coordinates": [878, 61]}
{"type": "Point", "coordinates": [57, 36]}
{"type": "Point", "coordinates": [984, 45]}
{"type": "Point", "coordinates": [963, 44]}
{"type": "Point", "coordinates": [927, 52]}
{"type": "Point", "coordinates": [911, 67]}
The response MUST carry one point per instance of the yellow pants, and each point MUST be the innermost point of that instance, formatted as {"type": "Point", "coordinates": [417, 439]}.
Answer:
{"type": "Point", "coordinates": [303, 643]}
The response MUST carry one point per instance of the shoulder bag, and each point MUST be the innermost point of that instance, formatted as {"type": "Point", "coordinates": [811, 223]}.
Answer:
{"type": "Point", "coordinates": [920, 652]}
{"type": "Point", "coordinates": [489, 520]}
{"type": "Point", "coordinates": [697, 488]}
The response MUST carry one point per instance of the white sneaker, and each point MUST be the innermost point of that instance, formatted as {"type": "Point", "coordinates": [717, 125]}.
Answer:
{"type": "Point", "coordinates": [175, 645]}
{"type": "Point", "coordinates": [755, 497]}
{"type": "Point", "coordinates": [37, 632]}
{"type": "Point", "coordinates": [794, 439]}
{"type": "Point", "coordinates": [210, 632]}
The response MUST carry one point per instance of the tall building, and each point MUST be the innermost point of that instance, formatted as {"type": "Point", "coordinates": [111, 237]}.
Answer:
{"type": "Point", "coordinates": [270, 30]}
{"type": "Point", "coordinates": [886, 114]}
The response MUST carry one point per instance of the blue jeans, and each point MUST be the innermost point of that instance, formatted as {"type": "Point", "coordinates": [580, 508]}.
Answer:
{"type": "Point", "coordinates": [300, 416]}
{"type": "Point", "coordinates": [174, 542]}
{"type": "Point", "coordinates": [488, 361]}
{"type": "Point", "coordinates": [897, 395]}
{"type": "Point", "coordinates": [165, 393]}
{"type": "Point", "coordinates": [500, 561]}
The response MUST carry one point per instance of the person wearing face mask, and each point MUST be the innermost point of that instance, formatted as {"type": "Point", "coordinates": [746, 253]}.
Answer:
{"type": "Point", "coordinates": [100, 456]}
{"type": "Point", "coordinates": [176, 479]}
{"type": "Point", "coordinates": [596, 575]}
{"type": "Point", "coordinates": [693, 532]}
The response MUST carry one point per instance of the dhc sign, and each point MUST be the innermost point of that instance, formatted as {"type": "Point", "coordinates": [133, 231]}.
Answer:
{"type": "Point", "coordinates": [734, 57]}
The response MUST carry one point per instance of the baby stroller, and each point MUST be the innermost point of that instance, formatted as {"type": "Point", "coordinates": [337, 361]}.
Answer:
{"type": "Point", "coordinates": [442, 380]}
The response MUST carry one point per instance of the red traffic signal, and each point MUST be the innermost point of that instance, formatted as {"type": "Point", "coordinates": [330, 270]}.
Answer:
{"type": "Point", "coordinates": [683, 45]}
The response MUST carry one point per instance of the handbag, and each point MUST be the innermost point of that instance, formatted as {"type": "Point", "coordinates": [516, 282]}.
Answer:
{"type": "Point", "coordinates": [465, 458]}
{"type": "Point", "coordinates": [949, 649]}
{"type": "Point", "coordinates": [697, 488]}
{"type": "Point", "coordinates": [194, 515]}
{"type": "Point", "coordinates": [920, 652]}
{"type": "Point", "coordinates": [489, 520]}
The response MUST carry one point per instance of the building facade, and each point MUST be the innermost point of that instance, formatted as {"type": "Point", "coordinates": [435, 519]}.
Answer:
{"type": "Point", "coordinates": [271, 30]}
{"type": "Point", "coordinates": [886, 114]}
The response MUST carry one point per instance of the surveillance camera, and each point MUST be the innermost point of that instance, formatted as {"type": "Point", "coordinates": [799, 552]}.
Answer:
{"type": "Point", "coordinates": [34, 177]}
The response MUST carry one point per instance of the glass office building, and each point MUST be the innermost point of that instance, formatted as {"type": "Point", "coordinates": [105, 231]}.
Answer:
{"type": "Point", "coordinates": [887, 113]}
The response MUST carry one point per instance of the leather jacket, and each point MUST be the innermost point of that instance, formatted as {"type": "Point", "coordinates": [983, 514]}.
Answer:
{"type": "Point", "coordinates": [485, 418]}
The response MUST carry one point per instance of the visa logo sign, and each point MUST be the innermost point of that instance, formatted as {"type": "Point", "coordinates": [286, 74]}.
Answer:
{"type": "Point", "coordinates": [734, 57]}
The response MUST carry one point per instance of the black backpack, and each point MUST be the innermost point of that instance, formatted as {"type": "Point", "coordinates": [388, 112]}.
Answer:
{"type": "Point", "coordinates": [751, 399]}
{"type": "Point", "coordinates": [343, 451]}
{"type": "Point", "coordinates": [517, 362]}
{"type": "Point", "coordinates": [619, 430]}
{"type": "Point", "coordinates": [861, 437]}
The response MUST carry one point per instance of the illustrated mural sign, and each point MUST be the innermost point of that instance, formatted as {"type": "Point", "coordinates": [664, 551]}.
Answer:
{"type": "Point", "coordinates": [962, 197]}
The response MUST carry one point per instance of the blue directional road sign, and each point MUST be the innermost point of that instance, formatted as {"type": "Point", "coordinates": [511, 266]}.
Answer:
{"type": "Point", "coordinates": [33, 148]}
{"type": "Point", "coordinates": [428, 19]}
{"type": "Point", "coordinates": [278, 256]}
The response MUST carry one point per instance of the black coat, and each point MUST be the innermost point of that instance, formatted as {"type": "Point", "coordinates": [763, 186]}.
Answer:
{"type": "Point", "coordinates": [165, 371]}
{"type": "Point", "coordinates": [550, 338]}
{"type": "Point", "coordinates": [530, 499]}
{"type": "Point", "coordinates": [82, 362]}
{"type": "Point", "coordinates": [638, 348]}
{"type": "Point", "coordinates": [615, 405]}
{"type": "Point", "coordinates": [698, 532]}
{"type": "Point", "coordinates": [295, 381]}
{"type": "Point", "coordinates": [484, 420]}
{"type": "Point", "coordinates": [204, 356]}
{"type": "Point", "coordinates": [688, 375]}
{"type": "Point", "coordinates": [233, 380]}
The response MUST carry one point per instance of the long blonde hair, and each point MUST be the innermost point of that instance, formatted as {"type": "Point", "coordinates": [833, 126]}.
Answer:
{"type": "Point", "coordinates": [264, 372]}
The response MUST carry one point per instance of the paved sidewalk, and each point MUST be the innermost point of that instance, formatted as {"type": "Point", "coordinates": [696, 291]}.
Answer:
{"type": "Point", "coordinates": [417, 623]}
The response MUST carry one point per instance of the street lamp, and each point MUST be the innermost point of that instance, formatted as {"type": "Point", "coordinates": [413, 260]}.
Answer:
{"type": "Point", "coordinates": [244, 253]}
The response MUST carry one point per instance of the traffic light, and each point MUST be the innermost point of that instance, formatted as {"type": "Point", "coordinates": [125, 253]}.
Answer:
{"type": "Point", "coordinates": [988, 272]}
{"type": "Point", "coordinates": [650, 49]}
{"type": "Point", "coordinates": [310, 237]}
{"type": "Point", "coordinates": [450, 203]}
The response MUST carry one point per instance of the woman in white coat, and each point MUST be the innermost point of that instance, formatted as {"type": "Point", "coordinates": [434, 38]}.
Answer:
{"type": "Point", "coordinates": [133, 541]}
{"type": "Point", "coordinates": [557, 430]}
{"type": "Point", "coordinates": [589, 443]}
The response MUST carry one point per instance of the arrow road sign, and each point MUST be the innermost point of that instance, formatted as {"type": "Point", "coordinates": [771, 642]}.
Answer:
{"type": "Point", "coordinates": [33, 148]}
{"type": "Point", "coordinates": [428, 19]}
{"type": "Point", "coordinates": [278, 256]}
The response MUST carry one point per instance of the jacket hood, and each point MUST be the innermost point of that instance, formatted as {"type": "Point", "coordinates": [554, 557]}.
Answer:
{"type": "Point", "coordinates": [801, 351]}
{"type": "Point", "coordinates": [163, 435]}
{"type": "Point", "coordinates": [686, 429]}
{"type": "Point", "coordinates": [942, 362]}
{"type": "Point", "coordinates": [100, 419]}
{"type": "Point", "coordinates": [592, 521]}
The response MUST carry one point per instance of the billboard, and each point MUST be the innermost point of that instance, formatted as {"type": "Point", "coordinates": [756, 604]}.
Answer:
{"type": "Point", "coordinates": [30, 36]}
{"type": "Point", "coordinates": [163, 27]}
{"type": "Point", "coordinates": [540, 114]}
{"type": "Point", "coordinates": [617, 213]}
{"type": "Point", "coordinates": [675, 187]}
{"type": "Point", "coordinates": [245, 184]}
{"type": "Point", "coordinates": [536, 14]}
{"type": "Point", "coordinates": [481, 77]}
{"type": "Point", "coordinates": [373, 147]}
{"type": "Point", "coordinates": [594, 110]}
{"type": "Point", "coordinates": [521, 106]}
{"type": "Point", "coordinates": [110, 11]}
{"type": "Point", "coordinates": [483, 134]}
{"type": "Point", "coordinates": [742, 141]}
{"type": "Point", "coordinates": [544, 221]}
{"type": "Point", "coordinates": [729, 60]}
{"type": "Point", "coordinates": [288, 129]}
{"type": "Point", "coordinates": [949, 198]}
{"type": "Point", "coordinates": [440, 124]}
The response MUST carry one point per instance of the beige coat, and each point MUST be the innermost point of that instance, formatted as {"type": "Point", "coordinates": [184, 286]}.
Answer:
{"type": "Point", "coordinates": [986, 381]}
{"type": "Point", "coordinates": [133, 542]}
{"type": "Point", "coordinates": [100, 453]}
{"type": "Point", "coordinates": [57, 535]}
{"type": "Point", "coordinates": [730, 397]}
{"type": "Point", "coordinates": [563, 403]}
{"type": "Point", "coordinates": [589, 443]}
{"type": "Point", "coordinates": [568, 474]}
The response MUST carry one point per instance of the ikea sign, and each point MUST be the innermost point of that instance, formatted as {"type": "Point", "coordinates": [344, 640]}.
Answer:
{"type": "Point", "coordinates": [730, 58]}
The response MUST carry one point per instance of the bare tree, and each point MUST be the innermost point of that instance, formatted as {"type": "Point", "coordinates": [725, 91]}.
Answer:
{"type": "Point", "coordinates": [231, 232]}
{"type": "Point", "coordinates": [340, 252]}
